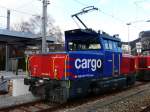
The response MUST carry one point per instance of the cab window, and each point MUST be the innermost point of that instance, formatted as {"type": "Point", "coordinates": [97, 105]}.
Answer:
{"type": "Point", "coordinates": [110, 44]}
{"type": "Point", "coordinates": [106, 44]}
{"type": "Point", "coordinates": [115, 45]}
{"type": "Point", "coordinates": [85, 44]}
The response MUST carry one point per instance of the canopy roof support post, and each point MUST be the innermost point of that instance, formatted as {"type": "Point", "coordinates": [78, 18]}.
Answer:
{"type": "Point", "coordinates": [6, 57]}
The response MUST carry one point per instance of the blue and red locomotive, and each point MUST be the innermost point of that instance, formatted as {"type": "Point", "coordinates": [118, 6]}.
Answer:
{"type": "Point", "coordinates": [142, 61]}
{"type": "Point", "coordinates": [92, 62]}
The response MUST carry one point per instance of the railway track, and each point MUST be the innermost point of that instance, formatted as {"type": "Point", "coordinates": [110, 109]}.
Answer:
{"type": "Point", "coordinates": [42, 106]}
{"type": "Point", "coordinates": [37, 106]}
{"type": "Point", "coordinates": [147, 109]}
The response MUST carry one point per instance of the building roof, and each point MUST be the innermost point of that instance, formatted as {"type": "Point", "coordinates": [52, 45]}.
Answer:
{"type": "Point", "coordinates": [14, 37]}
{"type": "Point", "coordinates": [17, 34]}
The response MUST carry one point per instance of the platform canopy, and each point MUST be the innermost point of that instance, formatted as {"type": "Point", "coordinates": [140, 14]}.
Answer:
{"type": "Point", "coordinates": [20, 38]}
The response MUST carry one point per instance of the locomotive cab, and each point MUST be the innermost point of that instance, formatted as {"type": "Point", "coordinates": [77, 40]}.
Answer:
{"type": "Point", "coordinates": [95, 59]}
{"type": "Point", "coordinates": [88, 43]}
{"type": "Point", "coordinates": [86, 53]}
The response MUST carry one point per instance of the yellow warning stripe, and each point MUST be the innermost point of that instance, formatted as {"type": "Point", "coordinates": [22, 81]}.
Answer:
{"type": "Point", "coordinates": [66, 66]}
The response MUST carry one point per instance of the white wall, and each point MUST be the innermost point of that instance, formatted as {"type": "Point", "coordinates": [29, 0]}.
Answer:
{"type": "Point", "coordinates": [19, 88]}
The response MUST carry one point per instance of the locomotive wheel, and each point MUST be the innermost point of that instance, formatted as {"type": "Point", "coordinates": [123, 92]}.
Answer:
{"type": "Point", "coordinates": [131, 80]}
{"type": "Point", "coordinates": [57, 95]}
{"type": "Point", "coordinates": [37, 91]}
{"type": "Point", "coordinates": [143, 75]}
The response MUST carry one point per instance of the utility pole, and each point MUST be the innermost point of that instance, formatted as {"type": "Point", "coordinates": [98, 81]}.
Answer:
{"type": "Point", "coordinates": [8, 19]}
{"type": "Point", "coordinates": [128, 24]}
{"type": "Point", "coordinates": [6, 45]}
{"type": "Point", "coordinates": [44, 24]}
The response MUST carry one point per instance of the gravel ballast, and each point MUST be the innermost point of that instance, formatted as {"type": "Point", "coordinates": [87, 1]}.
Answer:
{"type": "Point", "coordinates": [132, 100]}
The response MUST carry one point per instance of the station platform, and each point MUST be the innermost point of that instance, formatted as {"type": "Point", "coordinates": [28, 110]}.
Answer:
{"type": "Point", "coordinates": [7, 100]}
{"type": "Point", "coordinates": [16, 82]}
{"type": "Point", "coordinates": [12, 75]}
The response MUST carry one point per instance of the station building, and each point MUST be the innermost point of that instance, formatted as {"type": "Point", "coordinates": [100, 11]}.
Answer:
{"type": "Point", "coordinates": [14, 46]}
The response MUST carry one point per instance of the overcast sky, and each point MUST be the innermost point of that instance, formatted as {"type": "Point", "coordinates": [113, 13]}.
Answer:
{"type": "Point", "coordinates": [111, 17]}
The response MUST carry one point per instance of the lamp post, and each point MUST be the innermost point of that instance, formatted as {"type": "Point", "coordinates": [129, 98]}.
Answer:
{"type": "Point", "coordinates": [128, 24]}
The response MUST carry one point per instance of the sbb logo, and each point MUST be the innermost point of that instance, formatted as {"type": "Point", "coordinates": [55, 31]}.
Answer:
{"type": "Point", "coordinates": [93, 64]}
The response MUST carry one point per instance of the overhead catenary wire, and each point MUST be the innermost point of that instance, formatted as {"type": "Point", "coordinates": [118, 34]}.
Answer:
{"type": "Point", "coordinates": [140, 4]}
{"type": "Point", "coordinates": [22, 12]}
{"type": "Point", "coordinates": [140, 1]}
{"type": "Point", "coordinates": [115, 18]}
{"type": "Point", "coordinates": [136, 3]}
{"type": "Point", "coordinates": [81, 3]}
{"type": "Point", "coordinates": [111, 15]}
{"type": "Point", "coordinates": [3, 17]}
{"type": "Point", "coordinates": [15, 11]}
{"type": "Point", "coordinates": [99, 9]}
{"type": "Point", "coordinates": [24, 4]}
{"type": "Point", "coordinates": [120, 20]}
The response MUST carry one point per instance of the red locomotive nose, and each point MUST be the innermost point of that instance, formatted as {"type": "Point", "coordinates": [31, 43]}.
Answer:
{"type": "Point", "coordinates": [52, 66]}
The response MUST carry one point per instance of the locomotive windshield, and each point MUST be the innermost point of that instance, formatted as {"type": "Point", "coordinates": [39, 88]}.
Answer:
{"type": "Point", "coordinates": [84, 44]}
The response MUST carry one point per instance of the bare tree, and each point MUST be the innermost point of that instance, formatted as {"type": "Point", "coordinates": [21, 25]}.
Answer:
{"type": "Point", "coordinates": [34, 26]}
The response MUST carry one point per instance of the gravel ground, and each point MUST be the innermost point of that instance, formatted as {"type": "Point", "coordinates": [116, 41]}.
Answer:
{"type": "Point", "coordinates": [132, 104]}
{"type": "Point", "coordinates": [133, 100]}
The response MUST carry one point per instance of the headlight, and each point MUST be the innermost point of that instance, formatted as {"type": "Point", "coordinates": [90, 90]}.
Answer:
{"type": "Point", "coordinates": [41, 81]}
{"type": "Point", "coordinates": [55, 70]}
{"type": "Point", "coordinates": [55, 73]}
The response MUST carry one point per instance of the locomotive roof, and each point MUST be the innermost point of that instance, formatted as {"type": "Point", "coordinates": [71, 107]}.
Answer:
{"type": "Point", "coordinates": [106, 36]}
{"type": "Point", "coordinates": [77, 34]}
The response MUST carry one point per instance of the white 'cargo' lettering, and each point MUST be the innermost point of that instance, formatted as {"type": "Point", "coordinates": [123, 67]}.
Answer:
{"type": "Point", "coordinates": [93, 64]}
{"type": "Point", "coordinates": [77, 63]}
